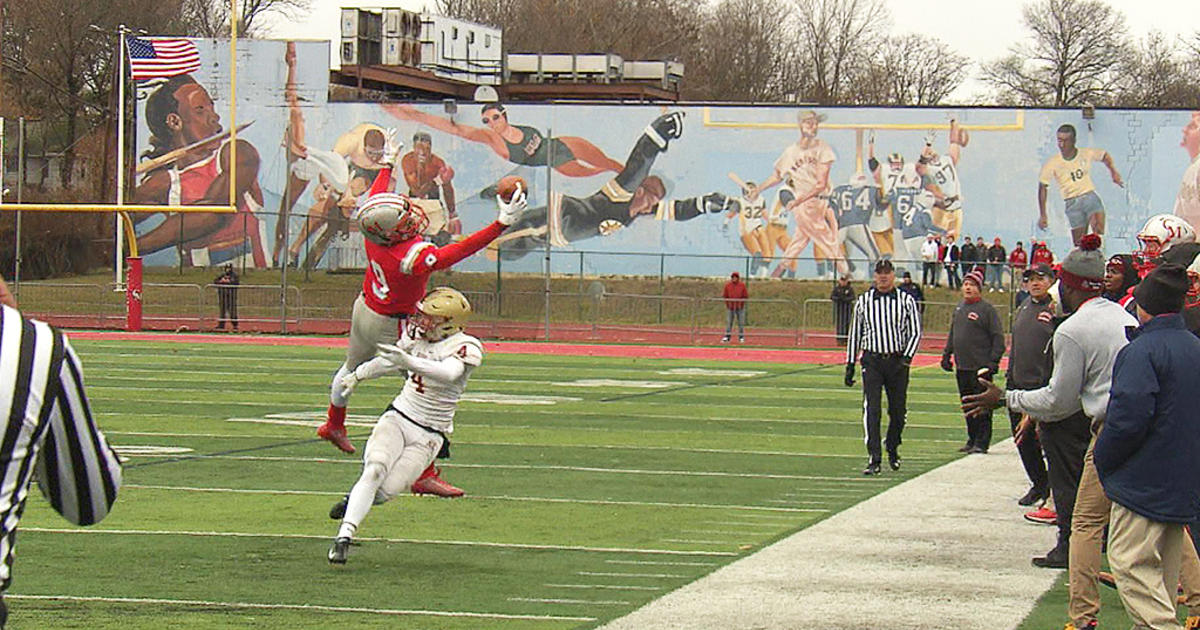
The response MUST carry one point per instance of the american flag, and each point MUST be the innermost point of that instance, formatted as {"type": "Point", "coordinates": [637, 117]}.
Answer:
{"type": "Point", "coordinates": [161, 57]}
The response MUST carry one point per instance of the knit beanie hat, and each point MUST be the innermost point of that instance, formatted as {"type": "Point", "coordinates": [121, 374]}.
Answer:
{"type": "Point", "coordinates": [1083, 268]}
{"type": "Point", "coordinates": [975, 276]}
{"type": "Point", "coordinates": [1162, 291]}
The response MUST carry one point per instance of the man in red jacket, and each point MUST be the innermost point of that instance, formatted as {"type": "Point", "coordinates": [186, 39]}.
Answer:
{"type": "Point", "coordinates": [1018, 260]}
{"type": "Point", "coordinates": [735, 303]}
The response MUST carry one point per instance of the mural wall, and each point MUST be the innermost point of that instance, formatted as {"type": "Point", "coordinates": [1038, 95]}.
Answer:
{"type": "Point", "coordinates": [696, 183]}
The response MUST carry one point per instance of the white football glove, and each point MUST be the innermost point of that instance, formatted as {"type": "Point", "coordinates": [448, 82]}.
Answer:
{"type": "Point", "coordinates": [348, 383]}
{"type": "Point", "coordinates": [392, 146]}
{"type": "Point", "coordinates": [395, 355]}
{"type": "Point", "coordinates": [511, 211]}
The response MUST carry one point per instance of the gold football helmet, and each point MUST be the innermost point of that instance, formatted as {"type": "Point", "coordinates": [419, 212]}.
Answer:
{"type": "Point", "coordinates": [441, 313]}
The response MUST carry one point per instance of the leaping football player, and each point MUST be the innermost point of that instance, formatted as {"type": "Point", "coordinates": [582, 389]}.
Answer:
{"type": "Point", "coordinates": [752, 231]}
{"type": "Point", "coordinates": [940, 175]}
{"type": "Point", "coordinates": [416, 427]}
{"type": "Point", "coordinates": [399, 262]}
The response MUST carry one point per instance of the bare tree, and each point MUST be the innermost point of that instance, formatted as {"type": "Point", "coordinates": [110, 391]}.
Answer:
{"type": "Point", "coordinates": [911, 69]}
{"type": "Point", "coordinates": [1158, 74]}
{"type": "Point", "coordinates": [744, 53]}
{"type": "Point", "coordinates": [835, 36]}
{"type": "Point", "coordinates": [1075, 46]}
{"type": "Point", "coordinates": [210, 18]}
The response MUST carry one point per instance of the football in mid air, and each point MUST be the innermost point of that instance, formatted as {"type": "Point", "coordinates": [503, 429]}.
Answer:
{"type": "Point", "coordinates": [507, 187]}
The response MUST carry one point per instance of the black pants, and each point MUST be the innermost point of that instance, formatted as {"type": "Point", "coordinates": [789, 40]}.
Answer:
{"type": "Point", "coordinates": [979, 428]}
{"type": "Point", "coordinates": [884, 372]}
{"type": "Point", "coordinates": [843, 312]}
{"type": "Point", "coordinates": [1065, 442]}
{"type": "Point", "coordinates": [929, 273]}
{"type": "Point", "coordinates": [227, 304]}
{"type": "Point", "coordinates": [1031, 455]}
{"type": "Point", "coordinates": [952, 278]}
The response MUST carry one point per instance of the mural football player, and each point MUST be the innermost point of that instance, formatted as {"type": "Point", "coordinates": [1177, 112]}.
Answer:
{"type": "Point", "coordinates": [1072, 169]}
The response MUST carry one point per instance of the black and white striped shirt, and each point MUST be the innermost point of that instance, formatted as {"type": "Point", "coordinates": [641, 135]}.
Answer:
{"type": "Point", "coordinates": [49, 429]}
{"type": "Point", "coordinates": [884, 323]}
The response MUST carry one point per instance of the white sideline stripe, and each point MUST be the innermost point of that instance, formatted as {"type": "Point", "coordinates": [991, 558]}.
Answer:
{"type": "Point", "coordinates": [639, 575]}
{"type": "Point", "coordinates": [611, 587]}
{"type": "Point", "coordinates": [661, 563]}
{"type": "Point", "coordinates": [699, 542]}
{"type": "Point", "coordinates": [709, 506]}
{"type": "Point", "coordinates": [415, 541]}
{"type": "Point", "coordinates": [252, 605]}
{"type": "Point", "coordinates": [713, 531]}
{"type": "Point", "coordinates": [592, 602]}
{"type": "Point", "coordinates": [890, 553]}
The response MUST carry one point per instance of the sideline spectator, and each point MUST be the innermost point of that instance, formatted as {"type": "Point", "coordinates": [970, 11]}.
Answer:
{"type": "Point", "coordinates": [887, 329]}
{"type": "Point", "coordinates": [1064, 442]}
{"type": "Point", "coordinates": [1018, 259]}
{"type": "Point", "coordinates": [50, 434]}
{"type": "Point", "coordinates": [950, 259]}
{"type": "Point", "coordinates": [1023, 290]}
{"type": "Point", "coordinates": [908, 286]}
{"type": "Point", "coordinates": [736, 295]}
{"type": "Point", "coordinates": [996, 257]}
{"type": "Point", "coordinates": [842, 297]}
{"type": "Point", "coordinates": [227, 288]}
{"type": "Point", "coordinates": [967, 256]}
{"type": "Point", "coordinates": [1145, 456]}
{"type": "Point", "coordinates": [1120, 276]}
{"type": "Point", "coordinates": [973, 350]}
{"type": "Point", "coordinates": [929, 257]}
{"type": "Point", "coordinates": [1041, 254]}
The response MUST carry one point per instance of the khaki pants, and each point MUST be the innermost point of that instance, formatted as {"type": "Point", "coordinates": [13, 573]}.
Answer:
{"type": "Point", "coordinates": [1091, 514]}
{"type": "Point", "coordinates": [1144, 556]}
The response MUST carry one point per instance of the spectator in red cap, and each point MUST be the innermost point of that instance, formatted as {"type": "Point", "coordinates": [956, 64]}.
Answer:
{"type": "Point", "coordinates": [973, 350]}
{"type": "Point", "coordinates": [735, 295]}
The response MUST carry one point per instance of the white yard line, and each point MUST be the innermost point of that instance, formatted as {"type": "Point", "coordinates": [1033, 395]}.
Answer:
{"type": "Point", "coordinates": [312, 607]}
{"type": "Point", "coordinates": [415, 541]}
{"type": "Point", "coordinates": [947, 548]}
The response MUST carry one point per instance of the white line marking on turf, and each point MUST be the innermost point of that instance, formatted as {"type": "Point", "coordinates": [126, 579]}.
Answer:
{"type": "Point", "coordinates": [713, 531]}
{"type": "Point", "coordinates": [689, 541]}
{"type": "Point", "coordinates": [545, 600]}
{"type": "Point", "coordinates": [415, 541]}
{"type": "Point", "coordinates": [611, 587]}
{"type": "Point", "coordinates": [639, 575]}
{"type": "Point", "coordinates": [659, 562]}
{"type": "Point", "coordinates": [252, 605]}
{"type": "Point", "coordinates": [476, 497]}
{"type": "Point", "coordinates": [708, 372]}
{"type": "Point", "coordinates": [612, 382]}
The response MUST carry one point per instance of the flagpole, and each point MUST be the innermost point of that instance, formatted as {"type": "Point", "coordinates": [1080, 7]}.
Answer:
{"type": "Point", "coordinates": [119, 254]}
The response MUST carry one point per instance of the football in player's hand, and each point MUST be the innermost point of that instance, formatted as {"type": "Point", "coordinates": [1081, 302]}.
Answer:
{"type": "Point", "coordinates": [507, 187]}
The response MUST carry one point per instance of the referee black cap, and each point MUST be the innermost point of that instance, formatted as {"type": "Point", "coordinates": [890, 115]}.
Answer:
{"type": "Point", "coordinates": [884, 266]}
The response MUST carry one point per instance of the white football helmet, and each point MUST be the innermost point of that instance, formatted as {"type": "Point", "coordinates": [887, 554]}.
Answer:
{"type": "Point", "coordinates": [441, 313]}
{"type": "Point", "coordinates": [1161, 232]}
{"type": "Point", "coordinates": [387, 218]}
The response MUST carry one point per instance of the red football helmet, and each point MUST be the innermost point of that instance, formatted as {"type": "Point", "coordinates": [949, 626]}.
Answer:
{"type": "Point", "coordinates": [1161, 232]}
{"type": "Point", "coordinates": [388, 218]}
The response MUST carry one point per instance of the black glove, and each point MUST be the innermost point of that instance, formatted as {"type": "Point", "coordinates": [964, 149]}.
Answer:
{"type": "Point", "coordinates": [717, 202]}
{"type": "Point", "coordinates": [849, 375]}
{"type": "Point", "coordinates": [947, 364]}
{"type": "Point", "coordinates": [664, 128]}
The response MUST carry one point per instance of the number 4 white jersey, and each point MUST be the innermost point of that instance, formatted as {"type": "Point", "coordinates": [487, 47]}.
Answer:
{"type": "Point", "coordinates": [430, 401]}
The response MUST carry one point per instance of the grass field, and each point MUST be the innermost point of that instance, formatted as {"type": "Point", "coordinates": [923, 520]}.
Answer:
{"type": "Point", "coordinates": [594, 486]}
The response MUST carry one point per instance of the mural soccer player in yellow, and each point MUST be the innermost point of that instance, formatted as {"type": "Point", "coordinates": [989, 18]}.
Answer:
{"type": "Point", "coordinates": [1071, 168]}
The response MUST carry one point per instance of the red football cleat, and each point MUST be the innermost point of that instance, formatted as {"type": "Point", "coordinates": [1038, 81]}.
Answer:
{"type": "Point", "coordinates": [334, 429]}
{"type": "Point", "coordinates": [1043, 515]}
{"type": "Point", "coordinates": [430, 483]}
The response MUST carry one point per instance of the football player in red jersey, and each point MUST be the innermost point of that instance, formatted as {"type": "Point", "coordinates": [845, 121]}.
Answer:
{"type": "Point", "coordinates": [399, 262]}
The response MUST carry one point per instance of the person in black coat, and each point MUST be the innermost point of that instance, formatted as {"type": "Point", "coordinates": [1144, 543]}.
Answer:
{"type": "Point", "coordinates": [227, 284]}
{"type": "Point", "coordinates": [843, 307]}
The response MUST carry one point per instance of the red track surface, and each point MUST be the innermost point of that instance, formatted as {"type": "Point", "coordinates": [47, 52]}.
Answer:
{"type": "Point", "coordinates": [723, 353]}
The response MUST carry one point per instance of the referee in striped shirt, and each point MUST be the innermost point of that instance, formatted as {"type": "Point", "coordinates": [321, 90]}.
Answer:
{"type": "Point", "coordinates": [49, 433]}
{"type": "Point", "coordinates": [886, 327]}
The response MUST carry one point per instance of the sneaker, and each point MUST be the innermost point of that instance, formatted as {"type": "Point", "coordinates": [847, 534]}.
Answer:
{"type": "Point", "coordinates": [339, 509]}
{"type": "Point", "coordinates": [894, 461]}
{"type": "Point", "coordinates": [977, 450]}
{"type": "Point", "coordinates": [1055, 559]}
{"type": "Point", "coordinates": [1042, 515]}
{"type": "Point", "coordinates": [430, 483]}
{"type": "Point", "coordinates": [741, 340]}
{"type": "Point", "coordinates": [335, 434]}
{"type": "Point", "coordinates": [1091, 625]}
{"type": "Point", "coordinates": [871, 469]}
{"type": "Point", "coordinates": [966, 448]}
{"type": "Point", "coordinates": [724, 339]}
{"type": "Point", "coordinates": [337, 553]}
{"type": "Point", "coordinates": [1034, 495]}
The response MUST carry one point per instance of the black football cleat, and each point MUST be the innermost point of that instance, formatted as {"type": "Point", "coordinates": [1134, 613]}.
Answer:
{"type": "Point", "coordinates": [871, 469]}
{"type": "Point", "coordinates": [339, 550]}
{"type": "Point", "coordinates": [339, 509]}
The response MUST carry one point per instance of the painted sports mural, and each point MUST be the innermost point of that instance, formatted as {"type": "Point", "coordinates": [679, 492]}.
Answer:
{"type": "Point", "coordinates": [790, 191]}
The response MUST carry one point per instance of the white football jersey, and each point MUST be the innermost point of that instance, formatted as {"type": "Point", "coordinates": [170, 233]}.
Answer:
{"type": "Point", "coordinates": [904, 177]}
{"type": "Point", "coordinates": [429, 401]}
{"type": "Point", "coordinates": [941, 171]}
